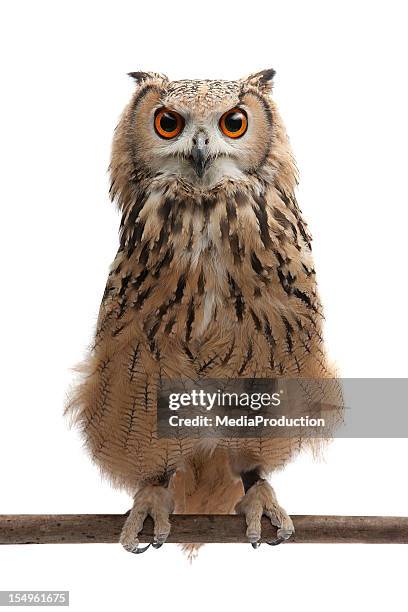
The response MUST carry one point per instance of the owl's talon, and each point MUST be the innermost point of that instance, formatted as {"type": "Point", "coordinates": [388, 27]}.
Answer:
{"type": "Point", "coordinates": [282, 536]}
{"type": "Point", "coordinates": [134, 548]}
{"type": "Point", "coordinates": [155, 501]}
{"type": "Point", "coordinates": [276, 541]}
{"type": "Point", "coordinates": [138, 551]}
{"type": "Point", "coordinates": [159, 539]}
{"type": "Point", "coordinates": [260, 500]}
{"type": "Point", "coordinates": [255, 544]}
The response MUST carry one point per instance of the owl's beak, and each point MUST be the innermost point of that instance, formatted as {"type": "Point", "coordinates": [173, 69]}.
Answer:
{"type": "Point", "coordinates": [199, 153]}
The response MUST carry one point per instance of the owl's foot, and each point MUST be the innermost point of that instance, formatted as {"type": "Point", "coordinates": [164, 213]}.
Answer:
{"type": "Point", "coordinates": [260, 499]}
{"type": "Point", "coordinates": [155, 501]}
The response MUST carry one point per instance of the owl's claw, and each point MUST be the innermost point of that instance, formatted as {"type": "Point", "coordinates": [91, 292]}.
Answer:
{"type": "Point", "coordinates": [138, 551]}
{"type": "Point", "coordinates": [282, 536]}
{"type": "Point", "coordinates": [159, 539]}
{"type": "Point", "coordinates": [259, 500]}
{"type": "Point", "coordinates": [276, 541]}
{"type": "Point", "coordinates": [155, 501]}
{"type": "Point", "coordinates": [134, 547]}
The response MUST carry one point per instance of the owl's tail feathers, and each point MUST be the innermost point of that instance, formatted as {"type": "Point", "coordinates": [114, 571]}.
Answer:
{"type": "Point", "coordinates": [206, 485]}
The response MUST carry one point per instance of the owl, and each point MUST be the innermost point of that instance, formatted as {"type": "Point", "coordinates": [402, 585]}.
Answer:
{"type": "Point", "coordinates": [213, 278]}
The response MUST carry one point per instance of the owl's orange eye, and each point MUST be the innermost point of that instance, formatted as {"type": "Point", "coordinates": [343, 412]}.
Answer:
{"type": "Point", "coordinates": [167, 123]}
{"type": "Point", "coordinates": [234, 123]}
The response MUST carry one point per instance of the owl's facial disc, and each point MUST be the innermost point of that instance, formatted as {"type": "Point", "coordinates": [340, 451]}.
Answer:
{"type": "Point", "coordinates": [200, 132]}
{"type": "Point", "coordinates": [200, 147]}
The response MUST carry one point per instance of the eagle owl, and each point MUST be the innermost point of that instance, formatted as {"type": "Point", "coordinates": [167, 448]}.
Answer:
{"type": "Point", "coordinates": [213, 278]}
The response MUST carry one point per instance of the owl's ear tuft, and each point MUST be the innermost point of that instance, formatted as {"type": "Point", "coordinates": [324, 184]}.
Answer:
{"type": "Point", "coordinates": [140, 77]}
{"type": "Point", "coordinates": [262, 80]}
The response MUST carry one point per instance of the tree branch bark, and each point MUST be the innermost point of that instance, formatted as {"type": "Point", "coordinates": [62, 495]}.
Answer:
{"type": "Point", "coordinates": [106, 528]}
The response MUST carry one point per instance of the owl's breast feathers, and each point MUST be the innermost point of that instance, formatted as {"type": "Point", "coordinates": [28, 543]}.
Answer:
{"type": "Point", "coordinates": [223, 279]}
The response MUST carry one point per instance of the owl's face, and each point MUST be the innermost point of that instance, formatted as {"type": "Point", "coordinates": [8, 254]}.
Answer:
{"type": "Point", "coordinates": [200, 131]}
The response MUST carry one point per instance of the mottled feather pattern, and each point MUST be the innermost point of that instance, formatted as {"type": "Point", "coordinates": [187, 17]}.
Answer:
{"type": "Point", "coordinates": [208, 282]}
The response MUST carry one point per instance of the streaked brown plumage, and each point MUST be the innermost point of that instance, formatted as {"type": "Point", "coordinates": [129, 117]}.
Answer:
{"type": "Point", "coordinates": [214, 277]}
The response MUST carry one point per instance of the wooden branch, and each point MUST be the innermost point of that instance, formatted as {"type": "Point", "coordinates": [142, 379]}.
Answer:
{"type": "Point", "coordinates": [92, 528]}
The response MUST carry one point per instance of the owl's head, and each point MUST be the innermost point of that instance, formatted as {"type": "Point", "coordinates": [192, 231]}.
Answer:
{"type": "Point", "coordinates": [199, 132]}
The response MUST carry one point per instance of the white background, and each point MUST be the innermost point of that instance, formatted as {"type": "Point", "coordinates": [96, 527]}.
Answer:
{"type": "Point", "coordinates": [341, 86]}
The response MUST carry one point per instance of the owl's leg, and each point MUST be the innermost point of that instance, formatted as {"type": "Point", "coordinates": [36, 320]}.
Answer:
{"type": "Point", "coordinates": [260, 499]}
{"type": "Point", "coordinates": [155, 500]}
